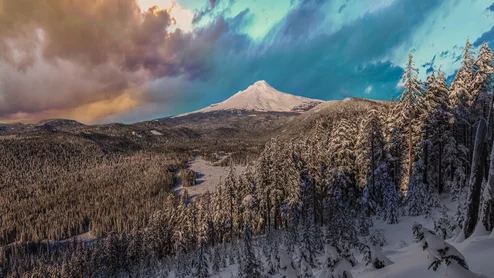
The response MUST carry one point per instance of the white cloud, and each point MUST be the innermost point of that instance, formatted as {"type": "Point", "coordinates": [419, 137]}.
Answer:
{"type": "Point", "coordinates": [182, 16]}
{"type": "Point", "coordinates": [368, 89]}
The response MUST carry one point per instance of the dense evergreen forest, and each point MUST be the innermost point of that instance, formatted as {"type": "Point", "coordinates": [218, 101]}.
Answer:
{"type": "Point", "coordinates": [317, 190]}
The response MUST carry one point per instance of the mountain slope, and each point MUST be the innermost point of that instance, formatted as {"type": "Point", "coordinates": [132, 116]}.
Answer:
{"type": "Point", "coordinates": [263, 98]}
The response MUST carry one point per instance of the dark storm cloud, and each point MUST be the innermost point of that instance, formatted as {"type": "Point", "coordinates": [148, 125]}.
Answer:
{"type": "Point", "coordinates": [297, 59]}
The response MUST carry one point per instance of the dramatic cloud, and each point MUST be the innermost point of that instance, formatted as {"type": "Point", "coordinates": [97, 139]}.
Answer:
{"type": "Point", "coordinates": [58, 54]}
{"type": "Point", "coordinates": [108, 60]}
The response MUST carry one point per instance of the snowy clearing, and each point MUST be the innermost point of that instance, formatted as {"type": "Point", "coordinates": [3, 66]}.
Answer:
{"type": "Point", "coordinates": [208, 176]}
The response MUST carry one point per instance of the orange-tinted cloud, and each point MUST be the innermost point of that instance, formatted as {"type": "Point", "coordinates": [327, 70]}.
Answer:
{"type": "Point", "coordinates": [88, 113]}
{"type": "Point", "coordinates": [69, 58]}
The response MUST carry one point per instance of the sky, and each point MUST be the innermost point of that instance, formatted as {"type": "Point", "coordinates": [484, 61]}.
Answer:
{"type": "Point", "coordinates": [99, 61]}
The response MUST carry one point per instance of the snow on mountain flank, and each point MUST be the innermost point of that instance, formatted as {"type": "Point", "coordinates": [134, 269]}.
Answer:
{"type": "Point", "coordinates": [262, 97]}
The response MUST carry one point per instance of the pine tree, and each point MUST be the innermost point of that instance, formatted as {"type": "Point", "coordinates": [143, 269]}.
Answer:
{"type": "Point", "coordinates": [370, 147]}
{"type": "Point", "coordinates": [305, 267]}
{"type": "Point", "coordinates": [249, 266]}
{"type": "Point", "coordinates": [273, 260]}
{"type": "Point", "coordinates": [373, 255]}
{"type": "Point", "coordinates": [408, 117]}
{"type": "Point", "coordinates": [334, 265]}
{"type": "Point", "coordinates": [342, 176]}
{"type": "Point", "coordinates": [201, 262]}
{"type": "Point", "coordinates": [441, 252]}
{"type": "Point", "coordinates": [308, 246]}
{"type": "Point", "coordinates": [460, 88]}
{"type": "Point", "coordinates": [288, 268]}
{"type": "Point", "coordinates": [363, 222]}
{"type": "Point", "coordinates": [476, 178]}
{"type": "Point", "coordinates": [482, 81]}
{"type": "Point", "coordinates": [488, 216]}
{"type": "Point", "coordinates": [417, 192]}
{"type": "Point", "coordinates": [216, 260]}
{"type": "Point", "coordinates": [391, 194]}
{"type": "Point", "coordinates": [436, 116]}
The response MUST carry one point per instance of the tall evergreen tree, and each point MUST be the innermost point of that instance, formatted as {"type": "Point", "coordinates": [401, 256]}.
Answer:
{"type": "Point", "coordinates": [249, 266]}
{"type": "Point", "coordinates": [201, 261]}
{"type": "Point", "coordinates": [408, 117]}
{"type": "Point", "coordinates": [476, 179]}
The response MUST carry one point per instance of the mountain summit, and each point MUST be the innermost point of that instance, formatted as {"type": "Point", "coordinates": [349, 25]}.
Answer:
{"type": "Point", "coordinates": [260, 96]}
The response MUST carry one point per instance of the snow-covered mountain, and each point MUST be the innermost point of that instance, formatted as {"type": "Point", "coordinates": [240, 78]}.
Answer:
{"type": "Point", "coordinates": [260, 96]}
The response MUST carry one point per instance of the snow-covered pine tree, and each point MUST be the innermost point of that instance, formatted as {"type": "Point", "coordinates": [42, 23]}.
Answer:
{"type": "Point", "coordinates": [445, 226]}
{"type": "Point", "coordinates": [250, 267]}
{"type": "Point", "coordinates": [408, 117]}
{"type": "Point", "coordinates": [460, 94]}
{"type": "Point", "coordinates": [306, 187]}
{"type": "Point", "coordinates": [288, 268]}
{"type": "Point", "coordinates": [216, 259]}
{"type": "Point", "coordinates": [136, 253]}
{"type": "Point", "coordinates": [342, 176]}
{"type": "Point", "coordinates": [461, 98]}
{"type": "Point", "coordinates": [391, 195]}
{"type": "Point", "coordinates": [273, 260]}
{"type": "Point", "coordinates": [482, 81]}
{"type": "Point", "coordinates": [201, 261]}
{"type": "Point", "coordinates": [455, 160]}
{"type": "Point", "coordinates": [436, 129]}
{"type": "Point", "coordinates": [363, 223]}
{"type": "Point", "coordinates": [394, 147]}
{"type": "Point", "coordinates": [373, 255]}
{"type": "Point", "coordinates": [369, 147]}
{"type": "Point", "coordinates": [376, 238]}
{"type": "Point", "coordinates": [305, 267]}
{"type": "Point", "coordinates": [488, 216]}
{"type": "Point", "coordinates": [476, 178]}
{"type": "Point", "coordinates": [372, 153]}
{"type": "Point", "coordinates": [308, 245]}
{"type": "Point", "coordinates": [230, 196]}
{"type": "Point", "coordinates": [415, 199]}
{"type": "Point", "coordinates": [318, 166]}
{"type": "Point", "coordinates": [441, 252]}
{"type": "Point", "coordinates": [334, 266]}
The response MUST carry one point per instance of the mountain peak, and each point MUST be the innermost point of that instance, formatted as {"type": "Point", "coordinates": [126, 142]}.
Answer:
{"type": "Point", "coordinates": [261, 97]}
{"type": "Point", "coordinates": [261, 83]}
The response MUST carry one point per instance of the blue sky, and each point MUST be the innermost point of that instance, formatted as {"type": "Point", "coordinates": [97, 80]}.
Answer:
{"type": "Point", "coordinates": [119, 60]}
{"type": "Point", "coordinates": [325, 49]}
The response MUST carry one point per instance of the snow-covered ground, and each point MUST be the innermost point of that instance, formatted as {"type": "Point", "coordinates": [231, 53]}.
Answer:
{"type": "Point", "coordinates": [409, 260]}
{"type": "Point", "coordinates": [208, 177]}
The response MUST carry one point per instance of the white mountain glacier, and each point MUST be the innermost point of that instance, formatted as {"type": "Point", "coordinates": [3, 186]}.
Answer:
{"type": "Point", "coordinates": [260, 96]}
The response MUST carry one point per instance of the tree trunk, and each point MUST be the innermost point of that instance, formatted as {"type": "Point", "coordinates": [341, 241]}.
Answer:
{"type": "Point", "coordinates": [440, 184]}
{"type": "Point", "coordinates": [314, 201]}
{"type": "Point", "coordinates": [410, 152]}
{"type": "Point", "coordinates": [488, 217]}
{"type": "Point", "coordinates": [489, 138]}
{"type": "Point", "coordinates": [268, 212]}
{"type": "Point", "coordinates": [476, 177]}
{"type": "Point", "coordinates": [372, 161]}
{"type": "Point", "coordinates": [426, 157]}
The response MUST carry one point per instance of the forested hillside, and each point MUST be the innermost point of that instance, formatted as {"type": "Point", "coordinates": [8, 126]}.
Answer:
{"type": "Point", "coordinates": [315, 189]}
